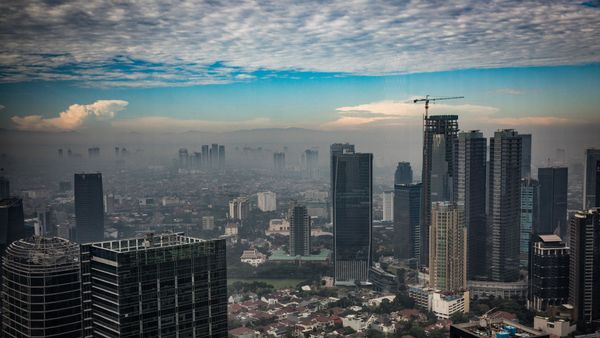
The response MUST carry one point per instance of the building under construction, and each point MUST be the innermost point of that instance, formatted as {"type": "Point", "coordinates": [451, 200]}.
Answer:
{"type": "Point", "coordinates": [41, 291]}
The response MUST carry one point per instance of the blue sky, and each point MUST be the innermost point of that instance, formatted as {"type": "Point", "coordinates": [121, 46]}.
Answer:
{"type": "Point", "coordinates": [72, 65]}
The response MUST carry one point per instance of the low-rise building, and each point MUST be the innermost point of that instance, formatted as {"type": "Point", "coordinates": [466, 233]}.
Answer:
{"type": "Point", "coordinates": [253, 257]}
{"type": "Point", "coordinates": [560, 327]}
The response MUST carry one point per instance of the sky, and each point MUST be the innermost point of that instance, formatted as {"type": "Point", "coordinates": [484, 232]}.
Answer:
{"type": "Point", "coordinates": [124, 66]}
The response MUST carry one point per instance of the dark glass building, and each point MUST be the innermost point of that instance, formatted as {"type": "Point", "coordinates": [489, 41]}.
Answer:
{"type": "Point", "coordinates": [591, 179]}
{"type": "Point", "coordinates": [440, 136]}
{"type": "Point", "coordinates": [214, 156]}
{"type": "Point", "coordinates": [12, 222]}
{"type": "Point", "coordinates": [525, 155]}
{"type": "Point", "coordinates": [41, 291]}
{"type": "Point", "coordinates": [553, 201]}
{"type": "Point", "coordinates": [529, 217]}
{"type": "Point", "coordinates": [334, 150]}
{"type": "Point", "coordinates": [4, 188]}
{"type": "Point", "coordinates": [221, 156]}
{"type": "Point", "coordinates": [156, 286]}
{"type": "Point", "coordinates": [504, 203]}
{"type": "Point", "coordinates": [352, 216]}
{"type": "Point", "coordinates": [299, 230]}
{"type": "Point", "coordinates": [584, 267]}
{"type": "Point", "coordinates": [89, 208]}
{"type": "Point", "coordinates": [548, 272]}
{"type": "Point", "coordinates": [407, 215]}
{"type": "Point", "coordinates": [404, 173]}
{"type": "Point", "coordinates": [472, 164]}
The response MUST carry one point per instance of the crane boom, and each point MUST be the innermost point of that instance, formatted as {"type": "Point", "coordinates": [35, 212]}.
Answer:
{"type": "Point", "coordinates": [428, 99]}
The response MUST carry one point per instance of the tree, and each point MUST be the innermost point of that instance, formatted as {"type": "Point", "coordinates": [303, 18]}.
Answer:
{"type": "Point", "coordinates": [459, 317]}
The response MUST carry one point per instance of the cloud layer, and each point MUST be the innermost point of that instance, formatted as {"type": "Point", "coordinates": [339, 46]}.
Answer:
{"type": "Point", "coordinates": [75, 117]}
{"type": "Point", "coordinates": [151, 43]}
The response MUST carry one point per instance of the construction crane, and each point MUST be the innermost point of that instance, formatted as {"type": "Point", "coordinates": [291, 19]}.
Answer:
{"type": "Point", "coordinates": [427, 99]}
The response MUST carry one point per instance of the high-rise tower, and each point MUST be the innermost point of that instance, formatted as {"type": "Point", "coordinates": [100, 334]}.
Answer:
{"type": "Point", "coordinates": [584, 267]}
{"type": "Point", "coordinates": [504, 203]}
{"type": "Point", "coordinates": [553, 201]}
{"type": "Point", "coordinates": [89, 208]}
{"type": "Point", "coordinates": [41, 289]}
{"type": "Point", "coordinates": [299, 230]}
{"type": "Point", "coordinates": [548, 273]}
{"type": "Point", "coordinates": [403, 174]}
{"type": "Point", "coordinates": [439, 177]}
{"type": "Point", "coordinates": [591, 179]}
{"type": "Point", "coordinates": [407, 215]}
{"type": "Point", "coordinates": [447, 247]}
{"type": "Point", "coordinates": [352, 216]}
{"type": "Point", "coordinates": [472, 163]}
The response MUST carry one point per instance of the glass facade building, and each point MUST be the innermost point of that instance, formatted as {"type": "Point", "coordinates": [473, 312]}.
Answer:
{"type": "Point", "coordinates": [548, 273]}
{"type": "Point", "coordinates": [529, 216]}
{"type": "Point", "coordinates": [553, 200]}
{"type": "Point", "coordinates": [439, 180]}
{"type": "Point", "coordinates": [89, 208]}
{"type": "Point", "coordinates": [299, 230]}
{"type": "Point", "coordinates": [403, 174]}
{"type": "Point", "coordinates": [41, 289]}
{"type": "Point", "coordinates": [407, 225]}
{"type": "Point", "coordinates": [159, 285]}
{"type": "Point", "coordinates": [352, 216]}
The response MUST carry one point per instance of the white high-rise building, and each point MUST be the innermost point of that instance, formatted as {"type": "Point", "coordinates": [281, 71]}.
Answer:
{"type": "Point", "coordinates": [267, 201]}
{"type": "Point", "coordinates": [388, 206]}
{"type": "Point", "coordinates": [239, 208]}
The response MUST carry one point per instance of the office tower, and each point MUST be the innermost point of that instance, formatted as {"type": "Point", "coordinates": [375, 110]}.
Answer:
{"type": "Point", "coordinates": [529, 217]}
{"type": "Point", "coordinates": [525, 155]}
{"type": "Point", "coordinates": [60, 152]}
{"type": "Point", "coordinates": [89, 208]}
{"type": "Point", "coordinates": [12, 222]}
{"type": "Point", "coordinates": [41, 290]}
{"type": "Point", "coordinates": [239, 208]}
{"type": "Point", "coordinates": [447, 247]}
{"type": "Point", "coordinates": [591, 179]}
{"type": "Point", "coordinates": [46, 223]}
{"type": "Point", "coordinates": [504, 205]}
{"type": "Point", "coordinates": [208, 222]}
{"type": "Point", "coordinates": [183, 157]}
{"type": "Point", "coordinates": [93, 152]}
{"type": "Point", "coordinates": [205, 156]}
{"type": "Point", "coordinates": [299, 230]}
{"type": "Point", "coordinates": [267, 201]}
{"type": "Point", "coordinates": [4, 188]}
{"type": "Point", "coordinates": [214, 155]}
{"type": "Point", "coordinates": [584, 266]}
{"type": "Point", "coordinates": [548, 272]}
{"type": "Point", "coordinates": [311, 162]}
{"type": "Point", "coordinates": [352, 216]}
{"type": "Point", "coordinates": [387, 198]}
{"type": "Point", "coordinates": [279, 161]}
{"type": "Point", "coordinates": [335, 150]}
{"type": "Point", "coordinates": [553, 201]}
{"type": "Point", "coordinates": [155, 286]}
{"type": "Point", "coordinates": [439, 165]}
{"type": "Point", "coordinates": [471, 172]}
{"type": "Point", "coordinates": [196, 159]}
{"type": "Point", "coordinates": [221, 157]}
{"type": "Point", "coordinates": [407, 216]}
{"type": "Point", "coordinates": [403, 174]}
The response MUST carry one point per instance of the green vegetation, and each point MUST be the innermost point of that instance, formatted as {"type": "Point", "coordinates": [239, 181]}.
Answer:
{"type": "Point", "coordinates": [275, 283]}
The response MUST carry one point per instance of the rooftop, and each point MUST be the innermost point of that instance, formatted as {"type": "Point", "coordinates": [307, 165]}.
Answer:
{"type": "Point", "coordinates": [150, 241]}
{"type": "Point", "coordinates": [489, 327]}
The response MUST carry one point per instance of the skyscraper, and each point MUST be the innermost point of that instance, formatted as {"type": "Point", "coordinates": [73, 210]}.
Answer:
{"type": "Point", "coordinates": [155, 286]}
{"type": "Point", "coordinates": [214, 156]}
{"type": "Point", "coordinates": [279, 161]}
{"type": "Point", "coordinates": [525, 155]}
{"type": "Point", "coordinates": [591, 179]}
{"type": "Point", "coordinates": [471, 174]}
{"type": "Point", "coordinates": [335, 150]}
{"type": "Point", "coordinates": [404, 173]}
{"type": "Point", "coordinates": [447, 247]}
{"type": "Point", "coordinates": [183, 157]}
{"type": "Point", "coordinates": [311, 162]}
{"type": "Point", "coordinates": [205, 156]}
{"type": "Point", "coordinates": [504, 203]}
{"type": "Point", "coordinates": [548, 272]}
{"type": "Point", "coordinates": [553, 201]}
{"type": "Point", "coordinates": [407, 215]}
{"type": "Point", "coordinates": [352, 216]}
{"type": "Point", "coordinates": [41, 289]}
{"type": "Point", "coordinates": [267, 201]}
{"type": "Point", "coordinates": [529, 217]}
{"type": "Point", "coordinates": [387, 198]}
{"type": "Point", "coordinates": [221, 157]}
{"type": "Point", "coordinates": [4, 188]}
{"type": "Point", "coordinates": [89, 208]}
{"type": "Point", "coordinates": [12, 222]}
{"type": "Point", "coordinates": [439, 165]}
{"type": "Point", "coordinates": [299, 230]}
{"type": "Point", "coordinates": [584, 267]}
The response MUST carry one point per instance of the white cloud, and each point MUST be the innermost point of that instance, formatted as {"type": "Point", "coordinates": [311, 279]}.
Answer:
{"type": "Point", "coordinates": [75, 117]}
{"type": "Point", "coordinates": [153, 44]}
